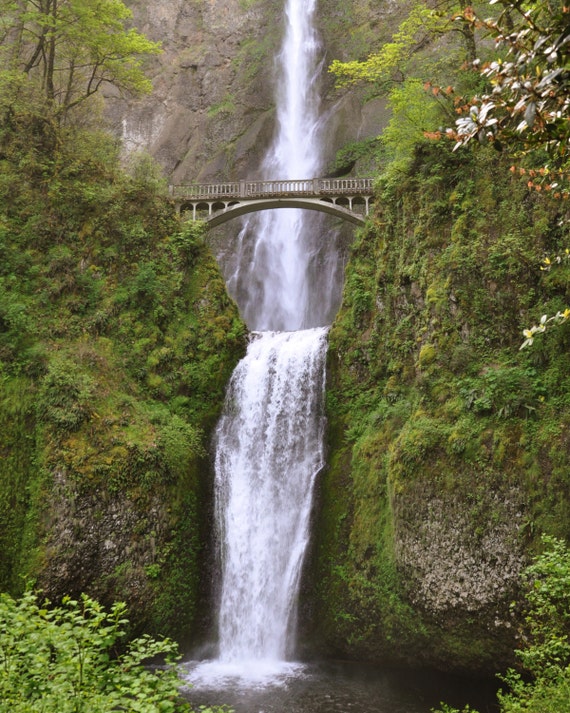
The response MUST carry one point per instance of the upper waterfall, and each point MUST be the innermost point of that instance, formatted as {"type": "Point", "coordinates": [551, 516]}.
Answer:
{"type": "Point", "coordinates": [296, 150]}
{"type": "Point", "coordinates": [283, 276]}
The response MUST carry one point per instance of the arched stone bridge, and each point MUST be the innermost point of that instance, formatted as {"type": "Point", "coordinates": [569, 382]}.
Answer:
{"type": "Point", "coordinates": [216, 203]}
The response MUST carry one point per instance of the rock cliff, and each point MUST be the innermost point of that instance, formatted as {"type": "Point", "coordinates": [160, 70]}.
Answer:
{"type": "Point", "coordinates": [211, 114]}
{"type": "Point", "coordinates": [447, 443]}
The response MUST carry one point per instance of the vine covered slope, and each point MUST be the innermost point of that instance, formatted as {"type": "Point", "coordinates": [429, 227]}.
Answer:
{"type": "Point", "coordinates": [450, 445]}
{"type": "Point", "coordinates": [117, 338]}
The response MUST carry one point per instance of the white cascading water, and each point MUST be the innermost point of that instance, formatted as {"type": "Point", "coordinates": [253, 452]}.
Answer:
{"type": "Point", "coordinates": [269, 450]}
{"type": "Point", "coordinates": [269, 441]}
{"type": "Point", "coordinates": [284, 275]}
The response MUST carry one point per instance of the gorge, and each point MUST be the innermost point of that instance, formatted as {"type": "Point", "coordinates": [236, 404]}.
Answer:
{"type": "Point", "coordinates": [445, 453]}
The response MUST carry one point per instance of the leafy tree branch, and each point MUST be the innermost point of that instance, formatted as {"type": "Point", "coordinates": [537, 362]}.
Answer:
{"type": "Point", "coordinates": [69, 48]}
{"type": "Point", "coordinates": [72, 659]}
{"type": "Point", "coordinates": [527, 105]}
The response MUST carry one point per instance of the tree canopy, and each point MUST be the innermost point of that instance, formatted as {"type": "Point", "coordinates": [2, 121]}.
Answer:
{"type": "Point", "coordinates": [526, 104]}
{"type": "Point", "coordinates": [522, 101]}
{"type": "Point", "coordinates": [424, 23]}
{"type": "Point", "coordinates": [65, 50]}
{"type": "Point", "coordinates": [380, 66]}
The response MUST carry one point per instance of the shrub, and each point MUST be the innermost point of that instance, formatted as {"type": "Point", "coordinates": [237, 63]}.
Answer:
{"type": "Point", "coordinates": [65, 395]}
{"type": "Point", "coordinates": [65, 660]}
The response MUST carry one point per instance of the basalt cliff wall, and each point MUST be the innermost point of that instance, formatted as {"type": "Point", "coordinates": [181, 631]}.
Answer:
{"type": "Point", "coordinates": [211, 113]}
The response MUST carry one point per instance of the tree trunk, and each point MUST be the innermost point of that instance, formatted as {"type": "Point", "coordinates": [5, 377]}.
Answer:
{"type": "Point", "coordinates": [468, 32]}
{"type": "Point", "coordinates": [51, 48]}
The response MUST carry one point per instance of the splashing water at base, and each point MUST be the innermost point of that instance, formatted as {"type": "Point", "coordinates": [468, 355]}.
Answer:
{"type": "Point", "coordinates": [245, 675]}
{"type": "Point", "coordinates": [342, 687]}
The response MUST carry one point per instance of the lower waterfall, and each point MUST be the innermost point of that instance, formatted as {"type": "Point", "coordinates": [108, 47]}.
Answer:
{"type": "Point", "coordinates": [269, 448]}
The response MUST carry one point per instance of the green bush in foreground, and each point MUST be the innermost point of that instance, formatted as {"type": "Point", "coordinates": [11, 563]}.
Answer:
{"type": "Point", "coordinates": [69, 659]}
{"type": "Point", "coordinates": [546, 655]}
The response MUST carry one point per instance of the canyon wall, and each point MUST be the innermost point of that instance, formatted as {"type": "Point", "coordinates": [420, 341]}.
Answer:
{"type": "Point", "coordinates": [211, 113]}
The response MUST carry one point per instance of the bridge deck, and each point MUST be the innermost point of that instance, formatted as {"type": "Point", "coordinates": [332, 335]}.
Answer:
{"type": "Point", "coordinates": [312, 187]}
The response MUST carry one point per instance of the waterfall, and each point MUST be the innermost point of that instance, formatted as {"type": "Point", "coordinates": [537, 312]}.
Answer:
{"type": "Point", "coordinates": [269, 450]}
{"type": "Point", "coordinates": [269, 441]}
{"type": "Point", "coordinates": [284, 276]}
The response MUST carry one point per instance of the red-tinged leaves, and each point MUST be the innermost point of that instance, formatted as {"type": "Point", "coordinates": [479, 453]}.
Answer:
{"type": "Point", "coordinates": [528, 106]}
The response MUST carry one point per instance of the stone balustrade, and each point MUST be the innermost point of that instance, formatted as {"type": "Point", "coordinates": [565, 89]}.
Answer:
{"type": "Point", "coordinates": [217, 203]}
{"type": "Point", "coordinates": [312, 187]}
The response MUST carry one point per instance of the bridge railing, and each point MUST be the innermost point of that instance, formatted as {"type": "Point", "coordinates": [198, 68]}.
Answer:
{"type": "Point", "coordinates": [206, 190]}
{"type": "Point", "coordinates": [342, 186]}
{"type": "Point", "coordinates": [260, 189]}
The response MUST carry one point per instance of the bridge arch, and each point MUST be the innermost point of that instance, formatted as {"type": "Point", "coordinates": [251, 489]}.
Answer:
{"type": "Point", "coordinates": [219, 217]}
{"type": "Point", "coordinates": [221, 202]}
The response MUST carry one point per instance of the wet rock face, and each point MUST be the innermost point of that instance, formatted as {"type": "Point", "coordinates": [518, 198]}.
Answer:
{"type": "Point", "coordinates": [457, 552]}
{"type": "Point", "coordinates": [211, 113]}
{"type": "Point", "coordinates": [101, 544]}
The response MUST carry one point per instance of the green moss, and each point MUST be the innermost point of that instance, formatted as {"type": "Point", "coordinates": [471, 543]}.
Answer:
{"type": "Point", "coordinates": [18, 466]}
{"type": "Point", "coordinates": [427, 355]}
{"type": "Point", "coordinates": [429, 397]}
{"type": "Point", "coordinates": [117, 338]}
{"type": "Point", "coordinates": [225, 106]}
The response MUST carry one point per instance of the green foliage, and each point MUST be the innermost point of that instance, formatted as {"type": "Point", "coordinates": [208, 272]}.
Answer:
{"type": "Point", "coordinates": [225, 106]}
{"type": "Point", "coordinates": [366, 150]}
{"type": "Point", "coordinates": [117, 338]}
{"type": "Point", "coordinates": [414, 112]}
{"type": "Point", "coordinates": [429, 397]}
{"type": "Point", "coordinates": [181, 443]}
{"type": "Point", "coordinates": [65, 396]}
{"type": "Point", "coordinates": [71, 659]}
{"type": "Point", "coordinates": [506, 391]}
{"type": "Point", "coordinates": [393, 56]}
{"type": "Point", "coordinates": [18, 462]}
{"type": "Point", "coordinates": [188, 243]}
{"type": "Point", "coordinates": [530, 98]}
{"type": "Point", "coordinates": [547, 590]}
{"type": "Point", "coordinates": [146, 174]}
{"type": "Point", "coordinates": [65, 51]}
{"type": "Point", "coordinates": [423, 55]}
{"type": "Point", "coordinates": [14, 321]}
{"type": "Point", "coordinates": [362, 299]}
